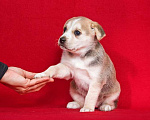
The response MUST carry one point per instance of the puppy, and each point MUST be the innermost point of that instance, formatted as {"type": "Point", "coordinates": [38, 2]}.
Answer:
{"type": "Point", "coordinates": [85, 61]}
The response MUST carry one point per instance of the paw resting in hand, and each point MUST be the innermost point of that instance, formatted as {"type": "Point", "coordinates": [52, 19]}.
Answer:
{"type": "Point", "coordinates": [40, 75]}
{"type": "Point", "coordinates": [86, 110]}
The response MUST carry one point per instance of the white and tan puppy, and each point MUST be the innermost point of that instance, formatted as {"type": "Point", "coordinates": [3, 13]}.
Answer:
{"type": "Point", "coordinates": [85, 61]}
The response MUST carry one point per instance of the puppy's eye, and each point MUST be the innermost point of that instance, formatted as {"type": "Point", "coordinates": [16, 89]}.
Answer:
{"type": "Point", "coordinates": [65, 28]}
{"type": "Point", "coordinates": [77, 32]}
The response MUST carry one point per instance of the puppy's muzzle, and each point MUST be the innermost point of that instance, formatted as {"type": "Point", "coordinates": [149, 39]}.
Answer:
{"type": "Point", "coordinates": [62, 41]}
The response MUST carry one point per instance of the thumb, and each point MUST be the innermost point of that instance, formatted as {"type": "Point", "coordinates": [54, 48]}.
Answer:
{"type": "Point", "coordinates": [29, 75]}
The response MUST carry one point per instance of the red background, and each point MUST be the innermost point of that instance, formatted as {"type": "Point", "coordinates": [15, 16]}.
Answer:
{"type": "Point", "coordinates": [29, 30]}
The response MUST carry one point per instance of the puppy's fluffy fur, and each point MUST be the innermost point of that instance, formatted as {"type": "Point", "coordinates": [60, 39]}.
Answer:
{"type": "Point", "coordinates": [85, 61]}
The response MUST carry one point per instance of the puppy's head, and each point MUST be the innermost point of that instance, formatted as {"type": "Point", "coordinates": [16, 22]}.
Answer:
{"type": "Point", "coordinates": [80, 33]}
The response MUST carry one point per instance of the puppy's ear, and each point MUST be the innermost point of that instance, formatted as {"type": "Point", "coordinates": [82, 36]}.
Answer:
{"type": "Point", "coordinates": [99, 32]}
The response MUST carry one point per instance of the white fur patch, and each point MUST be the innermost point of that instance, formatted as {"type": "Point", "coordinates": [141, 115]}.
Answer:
{"type": "Point", "coordinates": [86, 110]}
{"type": "Point", "coordinates": [105, 108]}
{"type": "Point", "coordinates": [40, 75]}
{"type": "Point", "coordinates": [69, 32]}
{"type": "Point", "coordinates": [73, 105]}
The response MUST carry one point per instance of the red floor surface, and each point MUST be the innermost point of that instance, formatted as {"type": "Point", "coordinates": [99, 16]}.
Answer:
{"type": "Point", "coordinates": [65, 114]}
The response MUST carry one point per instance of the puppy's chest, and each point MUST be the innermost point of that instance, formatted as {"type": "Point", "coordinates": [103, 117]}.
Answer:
{"type": "Point", "coordinates": [80, 72]}
{"type": "Point", "coordinates": [78, 63]}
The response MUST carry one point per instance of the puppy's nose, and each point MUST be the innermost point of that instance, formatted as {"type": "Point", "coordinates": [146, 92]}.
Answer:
{"type": "Point", "coordinates": [62, 40]}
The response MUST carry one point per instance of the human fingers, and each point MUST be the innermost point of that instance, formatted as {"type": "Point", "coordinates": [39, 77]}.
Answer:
{"type": "Point", "coordinates": [30, 84]}
{"type": "Point", "coordinates": [28, 74]}
{"type": "Point", "coordinates": [24, 90]}
{"type": "Point", "coordinates": [40, 80]}
{"type": "Point", "coordinates": [37, 89]}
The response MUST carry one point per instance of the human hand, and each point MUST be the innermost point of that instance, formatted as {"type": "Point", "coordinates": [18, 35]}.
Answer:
{"type": "Point", "coordinates": [22, 81]}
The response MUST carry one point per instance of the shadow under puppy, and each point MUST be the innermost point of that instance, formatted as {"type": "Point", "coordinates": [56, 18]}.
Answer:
{"type": "Point", "coordinates": [85, 61]}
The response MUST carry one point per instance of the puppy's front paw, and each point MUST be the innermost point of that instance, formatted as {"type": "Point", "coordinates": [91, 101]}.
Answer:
{"type": "Point", "coordinates": [73, 105]}
{"type": "Point", "coordinates": [40, 75]}
{"type": "Point", "coordinates": [106, 107]}
{"type": "Point", "coordinates": [86, 110]}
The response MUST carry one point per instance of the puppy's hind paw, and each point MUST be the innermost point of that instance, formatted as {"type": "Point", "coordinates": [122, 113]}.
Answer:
{"type": "Point", "coordinates": [73, 105]}
{"type": "Point", "coordinates": [86, 110]}
{"type": "Point", "coordinates": [40, 75]}
{"type": "Point", "coordinates": [106, 107]}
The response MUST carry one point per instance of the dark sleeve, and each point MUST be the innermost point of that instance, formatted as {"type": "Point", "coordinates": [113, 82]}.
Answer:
{"type": "Point", "coordinates": [3, 69]}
